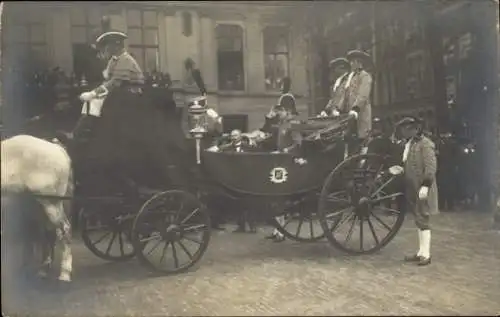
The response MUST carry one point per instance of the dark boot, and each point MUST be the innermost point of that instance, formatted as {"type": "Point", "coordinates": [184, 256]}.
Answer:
{"type": "Point", "coordinates": [424, 261]}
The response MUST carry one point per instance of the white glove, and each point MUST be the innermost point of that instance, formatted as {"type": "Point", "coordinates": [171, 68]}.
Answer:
{"type": "Point", "coordinates": [87, 96]}
{"type": "Point", "coordinates": [212, 113]}
{"type": "Point", "coordinates": [323, 114]}
{"type": "Point", "coordinates": [213, 148]}
{"type": "Point", "coordinates": [423, 193]}
{"type": "Point", "coordinates": [335, 113]}
{"type": "Point", "coordinates": [300, 161]}
{"type": "Point", "coordinates": [396, 170]}
{"type": "Point", "coordinates": [271, 114]}
{"type": "Point", "coordinates": [353, 114]}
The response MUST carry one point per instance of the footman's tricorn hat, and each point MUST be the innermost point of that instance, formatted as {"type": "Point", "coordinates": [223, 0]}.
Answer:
{"type": "Point", "coordinates": [364, 57]}
{"type": "Point", "coordinates": [110, 37]}
{"type": "Point", "coordinates": [339, 62]}
{"type": "Point", "coordinates": [409, 120]}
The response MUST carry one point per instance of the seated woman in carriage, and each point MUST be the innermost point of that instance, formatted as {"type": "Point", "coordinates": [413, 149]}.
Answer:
{"type": "Point", "coordinates": [276, 133]}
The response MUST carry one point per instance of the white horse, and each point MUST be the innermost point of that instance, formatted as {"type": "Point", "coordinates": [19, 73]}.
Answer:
{"type": "Point", "coordinates": [42, 170]}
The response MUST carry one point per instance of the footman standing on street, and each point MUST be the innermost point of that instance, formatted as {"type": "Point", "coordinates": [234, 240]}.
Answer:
{"type": "Point", "coordinates": [419, 160]}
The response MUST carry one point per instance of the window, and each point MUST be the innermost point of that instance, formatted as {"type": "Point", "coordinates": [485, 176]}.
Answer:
{"type": "Point", "coordinates": [230, 57]}
{"type": "Point", "coordinates": [28, 41]}
{"type": "Point", "coordinates": [187, 24]}
{"type": "Point", "coordinates": [143, 39]}
{"type": "Point", "coordinates": [416, 74]}
{"type": "Point", "coordinates": [448, 51]}
{"type": "Point", "coordinates": [384, 89]}
{"type": "Point", "coordinates": [84, 24]}
{"type": "Point", "coordinates": [276, 56]}
{"type": "Point", "coordinates": [464, 45]}
{"type": "Point", "coordinates": [398, 83]}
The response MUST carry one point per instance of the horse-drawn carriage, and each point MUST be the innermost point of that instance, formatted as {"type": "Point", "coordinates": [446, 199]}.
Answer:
{"type": "Point", "coordinates": [171, 230]}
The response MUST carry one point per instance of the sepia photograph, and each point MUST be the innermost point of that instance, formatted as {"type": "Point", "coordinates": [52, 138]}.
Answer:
{"type": "Point", "coordinates": [250, 158]}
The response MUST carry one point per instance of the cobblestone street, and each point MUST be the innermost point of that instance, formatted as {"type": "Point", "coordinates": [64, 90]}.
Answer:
{"type": "Point", "coordinates": [244, 274]}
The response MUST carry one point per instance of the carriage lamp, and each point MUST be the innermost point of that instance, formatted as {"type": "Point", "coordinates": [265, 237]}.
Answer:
{"type": "Point", "coordinates": [198, 123]}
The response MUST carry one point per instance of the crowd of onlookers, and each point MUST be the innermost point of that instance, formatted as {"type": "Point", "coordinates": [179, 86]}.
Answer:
{"type": "Point", "coordinates": [52, 94]}
{"type": "Point", "coordinates": [43, 92]}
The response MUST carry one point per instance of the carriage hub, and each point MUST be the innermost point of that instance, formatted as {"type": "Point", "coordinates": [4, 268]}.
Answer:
{"type": "Point", "coordinates": [363, 207]}
{"type": "Point", "coordinates": [172, 233]}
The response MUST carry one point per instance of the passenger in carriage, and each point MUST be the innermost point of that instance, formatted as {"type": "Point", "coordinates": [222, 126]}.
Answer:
{"type": "Point", "coordinates": [341, 69]}
{"type": "Point", "coordinates": [236, 144]}
{"type": "Point", "coordinates": [278, 123]}
{"type": "Point", "coordinates": [288, 140]}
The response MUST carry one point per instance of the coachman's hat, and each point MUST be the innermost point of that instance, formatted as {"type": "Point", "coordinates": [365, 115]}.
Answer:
{"type": "Point", "coordinates": [287, 102]}
{"type": "Point", "coordinates": [409, 120]}
{"type": "Point", "coordinates": [339, 62]}
{"type": "Point", "coordinates": [364, 57]}
{"type": "Point", "coordinates": [109, 37]}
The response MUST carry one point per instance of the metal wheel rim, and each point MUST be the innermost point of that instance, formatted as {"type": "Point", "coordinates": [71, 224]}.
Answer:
{"type": "Point", "coordinates": [346, 213]}
{"type": "Point", "coordinates": [145, 233]}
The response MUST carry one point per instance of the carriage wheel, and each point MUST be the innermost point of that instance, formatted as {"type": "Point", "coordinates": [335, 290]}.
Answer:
{"type": "Point", "coordinates": [171, 232]}
{"type": "Point", "coordinates": [360, 199]}
{"type": "Point", "coordinates": [107, 235]}
{"type": "Point", "coordinates": [301, 224]}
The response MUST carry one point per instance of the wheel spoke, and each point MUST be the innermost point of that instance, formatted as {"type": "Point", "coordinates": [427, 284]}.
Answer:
{"type": "Point", "coordinates": [120, 241]}
{"type": "Point", "coordinates": [154, 247]}
{"type": "Point", "coordinates": [194, 227]}
{"type": "Point", "coordinates": [384, 185]}
{"type": "Point", "coordinates": [150, 238]}
{"type": "Point", "coordinates": [333, 197]}
{"type": "Point", "coordinates": [391, 196]}
{"type": "Point", "coordinates": [380, 221]}
{"type": "Point", "coordinates": [163, 251]}
{"type": "Point", "coordinates": [341, 221]}
{"type": "Point", "coordinates": [101, 238]}
{"type": "Point", "coordinates": [337, 213]}
{"type": "Point", "coordinates": [183, 247]}
{"type": "Point", "coordinates": [174, 254]}
{"type": "Point", "coordinates": [311, 226]}
{"type": "Point", "coordinates": [111, 243]}
{"type": "Point", "coordinates": [180, 211]}
{"type": "Point", "coordinates": [392, 211]}
{"type": "Point", "coordinates": [351, 229]}
{"type": "Point", "coordinates": [361, 233]}
{"type": "Point", "coordinates": [299, 226]}
{"type": "Point", "coordinates": [287, 221]}
{"type": "Point", "coordinates": [372, 229]}
{"type": "Point", "coordinates": [190, 215]}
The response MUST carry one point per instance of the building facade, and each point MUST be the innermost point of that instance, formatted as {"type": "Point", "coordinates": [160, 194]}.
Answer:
{"type": "Point", "coordinates": [426, 56]}
{"type": "Point", "coordinates": [243, 49]}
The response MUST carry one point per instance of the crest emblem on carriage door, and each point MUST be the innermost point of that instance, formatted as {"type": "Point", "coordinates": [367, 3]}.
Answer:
{"type": "Point", "coordinates": [278, 175]}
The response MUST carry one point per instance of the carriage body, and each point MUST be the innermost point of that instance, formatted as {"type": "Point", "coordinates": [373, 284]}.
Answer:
{"type": "Point", "coordinates": [268, 174]}
{"type": "Point", "coordinates": [276, 183]}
